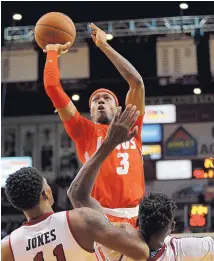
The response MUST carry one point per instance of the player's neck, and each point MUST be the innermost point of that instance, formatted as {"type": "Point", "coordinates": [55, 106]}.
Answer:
{"type": "Point", "coordinates": [37, 212]}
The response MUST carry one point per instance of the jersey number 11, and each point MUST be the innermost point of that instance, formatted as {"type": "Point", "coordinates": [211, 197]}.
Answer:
{"type": "Point", "coordinates": [58, 252]}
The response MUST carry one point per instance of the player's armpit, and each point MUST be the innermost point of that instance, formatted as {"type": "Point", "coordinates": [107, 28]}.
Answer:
{"type": "Point", "coordinates": [97, 228]}
{"type": "Point", "coordinates": [88, 202]}
{"type": "Point", "coordinates": [6, 253]}
{"type": "Point", "coordinates": [80, 130]}
{"type": "Point", "coordinates": [136, 96]}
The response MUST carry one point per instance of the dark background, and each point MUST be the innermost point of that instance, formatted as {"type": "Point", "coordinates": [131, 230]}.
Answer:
{"type": "Point", "coordinates": [83, 11]}
{"type": "Point", "coordinates": [103, 74]}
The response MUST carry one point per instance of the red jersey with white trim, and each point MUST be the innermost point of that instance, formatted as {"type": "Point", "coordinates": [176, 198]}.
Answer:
{"type": "Point", "coordinates": [47, 238]}
{"type": "Point", "coordinates": [120, 182]}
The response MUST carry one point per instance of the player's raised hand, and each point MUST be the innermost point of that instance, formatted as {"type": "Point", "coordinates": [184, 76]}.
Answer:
{"type": "Point", "coordinates": [121, 127]}
{"type": "Point", "coordinates": [59, 48]}
{"type": "Point", "coordinates": [98, 36]}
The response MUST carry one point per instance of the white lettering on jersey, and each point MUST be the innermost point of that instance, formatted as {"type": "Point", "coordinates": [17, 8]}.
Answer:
{"type": "Point", "coordinates": [99, 142]}
{"type": "Point", "coordinates": [127, 145]}
{"type": "Point", "coordinates": [123, 169]}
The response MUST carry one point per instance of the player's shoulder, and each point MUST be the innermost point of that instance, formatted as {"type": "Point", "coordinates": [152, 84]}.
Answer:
{"type": "Point", "coordinates": [5, 240]}
{"type": "Point", "coordinates": [191, 244]}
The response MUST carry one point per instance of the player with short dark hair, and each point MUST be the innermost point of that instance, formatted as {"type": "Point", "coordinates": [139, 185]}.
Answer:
{"type": "Point", "coordinates": [67, 235]}
{"type": "Point", "coordinates": [24, 187]}
{"type": "Point", "coordinates": [155, 217]}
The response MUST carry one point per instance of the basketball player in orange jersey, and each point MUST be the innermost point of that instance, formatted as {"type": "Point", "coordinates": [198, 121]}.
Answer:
{"type": "Point", "coordinates": [63, 236]}
{"type": "Point", "coordinates": [156, 214]}
{"type": "Point", "coordinates": [120, 183]}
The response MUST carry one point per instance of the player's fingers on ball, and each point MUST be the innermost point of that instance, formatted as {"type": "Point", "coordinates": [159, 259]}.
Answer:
{"type": "Point", "coordinates": [67, 45]}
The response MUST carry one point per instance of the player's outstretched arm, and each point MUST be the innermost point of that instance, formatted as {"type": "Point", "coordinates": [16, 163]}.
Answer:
{"type": "Point", "coordinates": [6, 253]}
{"type": "Point", "coordinates": [118, 132]}
{"type": "Point", "coordinates": [136, 93]}
{"type": "Point", "coordinates": [77, 127]}
{"type": "Point", "coordinates": [91, 226]}
{"type": "Point", "coordinates": [53, 88]}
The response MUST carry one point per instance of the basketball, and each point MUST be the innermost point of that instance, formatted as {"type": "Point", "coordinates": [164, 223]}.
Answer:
{"type": "Point", "coordinates": [54, 28]}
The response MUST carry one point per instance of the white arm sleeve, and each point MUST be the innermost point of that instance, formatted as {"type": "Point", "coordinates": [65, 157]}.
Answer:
{"type": "Point", "coordinates": [194, 248]}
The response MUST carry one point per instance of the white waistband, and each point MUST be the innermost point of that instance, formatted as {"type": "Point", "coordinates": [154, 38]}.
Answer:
{"type": "Point", "coordinates": [122, 212]}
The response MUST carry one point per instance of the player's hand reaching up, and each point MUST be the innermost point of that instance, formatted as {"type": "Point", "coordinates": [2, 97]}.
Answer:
{"type": "Point", "coordinates": [59, 48]}
{"type": "Point", "coordinates": [98, 36]}
{"type": "Point", "coordinates": [121, 127]}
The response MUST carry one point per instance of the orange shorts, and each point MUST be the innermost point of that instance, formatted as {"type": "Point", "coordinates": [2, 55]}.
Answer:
{"type": "Point", "coordinates": [132, 221]}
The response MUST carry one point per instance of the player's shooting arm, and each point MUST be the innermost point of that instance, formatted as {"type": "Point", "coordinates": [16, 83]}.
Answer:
{"type": "Point", "coordinates": [136, 93]}
{"type": "Point", "coordinates": [80, 189]}
{"type": "Point", "coordinates": [53, 88]}
{"type": "Point", "coordinates": [99, 229]}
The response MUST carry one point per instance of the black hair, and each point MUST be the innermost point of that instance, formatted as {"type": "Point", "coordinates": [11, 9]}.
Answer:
{"type": "Point", "coordinates": [23, 188]}
{"type": "Point", "coordinates": [156, 211]}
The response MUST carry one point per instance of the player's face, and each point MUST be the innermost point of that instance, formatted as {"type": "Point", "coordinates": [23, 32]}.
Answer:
{"type": "Point", "coordinates": [48, 193]}
{"type": "Point", "coordinates": [103, 108]}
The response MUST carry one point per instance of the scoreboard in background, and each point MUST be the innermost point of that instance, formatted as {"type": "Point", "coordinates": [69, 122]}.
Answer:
{"type": "Point", "coordinates": [185, 169]}
{"type": "Point", "coordinates": [198, 217]}
{"type": "Point", "coordinates": [203, 169]}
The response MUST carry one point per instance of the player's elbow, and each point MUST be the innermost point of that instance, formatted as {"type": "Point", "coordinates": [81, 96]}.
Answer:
{"type": "Point", "coordinates": [75, 195]}
{"type": "Point", "coordinates": [137, 83]}
{"type": "Point", "coordinates": [71, 192]}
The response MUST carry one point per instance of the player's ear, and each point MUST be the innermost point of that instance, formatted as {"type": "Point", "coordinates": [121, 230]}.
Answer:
{"type": "Point", "coordinates": [44, 195]}
{"type": "Point", "coordinates": [173, 226]}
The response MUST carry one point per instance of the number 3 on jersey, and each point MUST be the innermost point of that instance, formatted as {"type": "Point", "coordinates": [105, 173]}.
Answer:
{"type": "Point", "coordinates": [124, 164]}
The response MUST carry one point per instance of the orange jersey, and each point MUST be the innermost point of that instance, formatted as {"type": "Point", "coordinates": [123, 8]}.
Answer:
{"type": "Point", "coordinates": [120, 182]}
